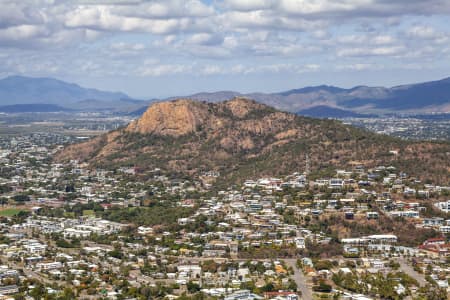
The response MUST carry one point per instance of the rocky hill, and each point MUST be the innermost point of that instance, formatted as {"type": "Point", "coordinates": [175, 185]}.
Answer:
{"type": "Point", "coordinates": [241, 138]}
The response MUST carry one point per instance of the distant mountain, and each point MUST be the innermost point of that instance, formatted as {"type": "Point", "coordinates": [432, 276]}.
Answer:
{"type": "Point", "coordinates": [241, 139]}
{"type": "Point", "coordinates": [211, 96]}
{"type": "Point", "coordinates": [323, 111]}
{"type": "Point", "coordinates": [420, 98]}
{"type": "Point", "coordinates": [138, 112]}
{"type": "Point", "coordinates": [25, 108]}
{"type": "Point", "coordinates": [432, 95]}
{"type": "Point", "coordinates": [311, 89]}
{"type": "Point", "coordinates": [417, 98]}
{"type": "Point", "coordinates": [28, 90]}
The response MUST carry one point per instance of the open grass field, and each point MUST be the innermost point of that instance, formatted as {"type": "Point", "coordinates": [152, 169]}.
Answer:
{"type": "Point", "coordinates": [9, 212]}
{"type": "Point", "coordinates": [69, 214]}
{"type": "Point", "coordinates": [88, 212]}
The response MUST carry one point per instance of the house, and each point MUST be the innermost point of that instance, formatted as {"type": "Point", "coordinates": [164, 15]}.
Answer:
{"type": "Point", "coordinates": [9, 289]}
{"type": "Point", "coordinates": [400, 289]}
{"type": "Point", "coordinates": [143, 230]}
{"type": "Point", "coordinates": [300, 242]}
{"type": "Point", "coordinates": [213, 253]}
{"type": "Point", "coordinates": [382, 238]}
{"type": "Point", "coordinates": [5, 272]}
{"type": "Point", "coordinates": [435, 241]}
{"type": "Point", "coordinates": [35, 248]}
{"type": "Point", "coordinates": [371, 239]}
{"type": "Point", "coordinates": [49, 266]}
{"type": "Point", "coordinates": [192, 271]}
{"type": "Point", "coordinates": [349, 215]}
{"type": "Point", "coordinates": [184, 221]}
{"type": "Point", "coordinates": [444, 229]}
{"type": "Point", "coordinates": [372, 215]}
{"type": "Point", "coordinates": [444, 206]}
{"type": "Point", "coordinates": [443, 284]}
{"type": "Point", "coordinates": [405, 214]}
{"type": "Point", "coordinates": [432, 221]}
{"type": "Point", "coordinates": [243, 295]}
{"type": "Point", "coordinates": [281, 295]}
{"type": "Point", "coordinates": [351, 250]}
{"type": "Point", "coordinates": [336, 183]}
{"type": "Point", "coordinates": [436, 247]}
{"type": "Point", "coordinates": [77, 233]}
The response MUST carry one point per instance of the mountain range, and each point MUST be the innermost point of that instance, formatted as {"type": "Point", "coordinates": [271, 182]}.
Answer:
{"type": "Point", "coordinates": [428, 97]}
{"type": "Point", "coordinates": [241, 138]}
{"type": "Point", "coordinates": [47, 92]}
{"type": "Point", "coordinates": [317, 101]}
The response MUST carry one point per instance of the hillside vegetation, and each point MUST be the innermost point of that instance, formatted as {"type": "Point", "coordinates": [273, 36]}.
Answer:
{"type": "Point", "coordinates": [241, 138]}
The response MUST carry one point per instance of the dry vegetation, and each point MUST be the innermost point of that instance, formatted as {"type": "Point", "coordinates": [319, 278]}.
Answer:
{"type": "Point", "coordinates": [241, 139]}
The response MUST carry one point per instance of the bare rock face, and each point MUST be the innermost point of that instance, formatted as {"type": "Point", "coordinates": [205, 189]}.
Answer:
{"type": "Point", "coordinates": [241, 106]}
{"type": "Point", "coordinates": [173, 118]}
{"type": "Point", "coordinates": [184, 116]}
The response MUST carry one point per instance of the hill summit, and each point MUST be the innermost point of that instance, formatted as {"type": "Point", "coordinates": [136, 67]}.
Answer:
{"type": "Point", "coordinates": [241, 138]}
{"type": "Point", "coordinates": [181, 117]}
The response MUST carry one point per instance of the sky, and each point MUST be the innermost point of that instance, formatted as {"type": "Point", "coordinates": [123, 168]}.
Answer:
{"type": "Point", "coordinates": [160, 48]}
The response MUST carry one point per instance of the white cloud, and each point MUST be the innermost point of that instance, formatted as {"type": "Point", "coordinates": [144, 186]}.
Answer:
{"type": "Point", "coordinates": [211, 70]}
{"type": "Point", "coordinates": [304, 7]}
{"type": "Point", "coordinates": [428, 33]}
{"type": "Point", "coordinates": [205, 39]}
{"type": "Point", "coordinates": [377, 51]}
{"type": "Point", "coordinates": [358, 67]}
{"type": "Point", "coordinates": [165, 9]}
{"type": "Point", "coordinates": [423, 32]}
{"type": "Point", "coordinates": [163, 70]}
{"type": "Point", "coordinates": [248, 5]}
{"type": "Point", "coordinates": [127, 47]}
{"type": "Point", "coordinates": [15, 13]}
{"type": "Point", "coordinates": [220, 37]}
{"type": "Point", "coordinates": [22, 32]}
{"type": "Point", "coordinates": [383, 39]}
{"type": "Point", "coordinates": [101, 18]}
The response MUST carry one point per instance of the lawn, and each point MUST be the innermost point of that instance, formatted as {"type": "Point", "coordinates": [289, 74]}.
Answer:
{"type": "Point", "coordinates": [9, 212]}
{"type": "Point", "coordinates": [88, 212]}
{"type": "Point", "coordinates": [69, 214]}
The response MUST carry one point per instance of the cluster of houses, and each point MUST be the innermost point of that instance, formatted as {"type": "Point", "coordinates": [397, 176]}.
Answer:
{"type": "Point", "coordinates": [263, 215]}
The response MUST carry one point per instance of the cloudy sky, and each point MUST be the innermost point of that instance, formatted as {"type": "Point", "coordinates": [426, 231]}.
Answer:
{"type": "Point", "coordinates": [159, 48]}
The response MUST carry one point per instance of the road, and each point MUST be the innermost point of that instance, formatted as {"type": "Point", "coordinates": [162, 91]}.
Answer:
{"type": "Point", "coordinates": [299, 279]}
{"type": "Point", "coordinates": [406, 268]}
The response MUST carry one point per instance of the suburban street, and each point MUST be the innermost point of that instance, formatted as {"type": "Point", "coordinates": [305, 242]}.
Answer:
{"type": "Point", "coordinates": [299, 279]}
{"type": "Point", "coordinates": [405, 267]}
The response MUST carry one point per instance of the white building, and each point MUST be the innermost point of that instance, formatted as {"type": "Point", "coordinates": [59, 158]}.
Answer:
{"type": "Point", "coordinates": [49, 266]}
{"type": "Point", "coordinates": [444, 206]}
{"type": "Point", "coordinates": [76, 233]}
